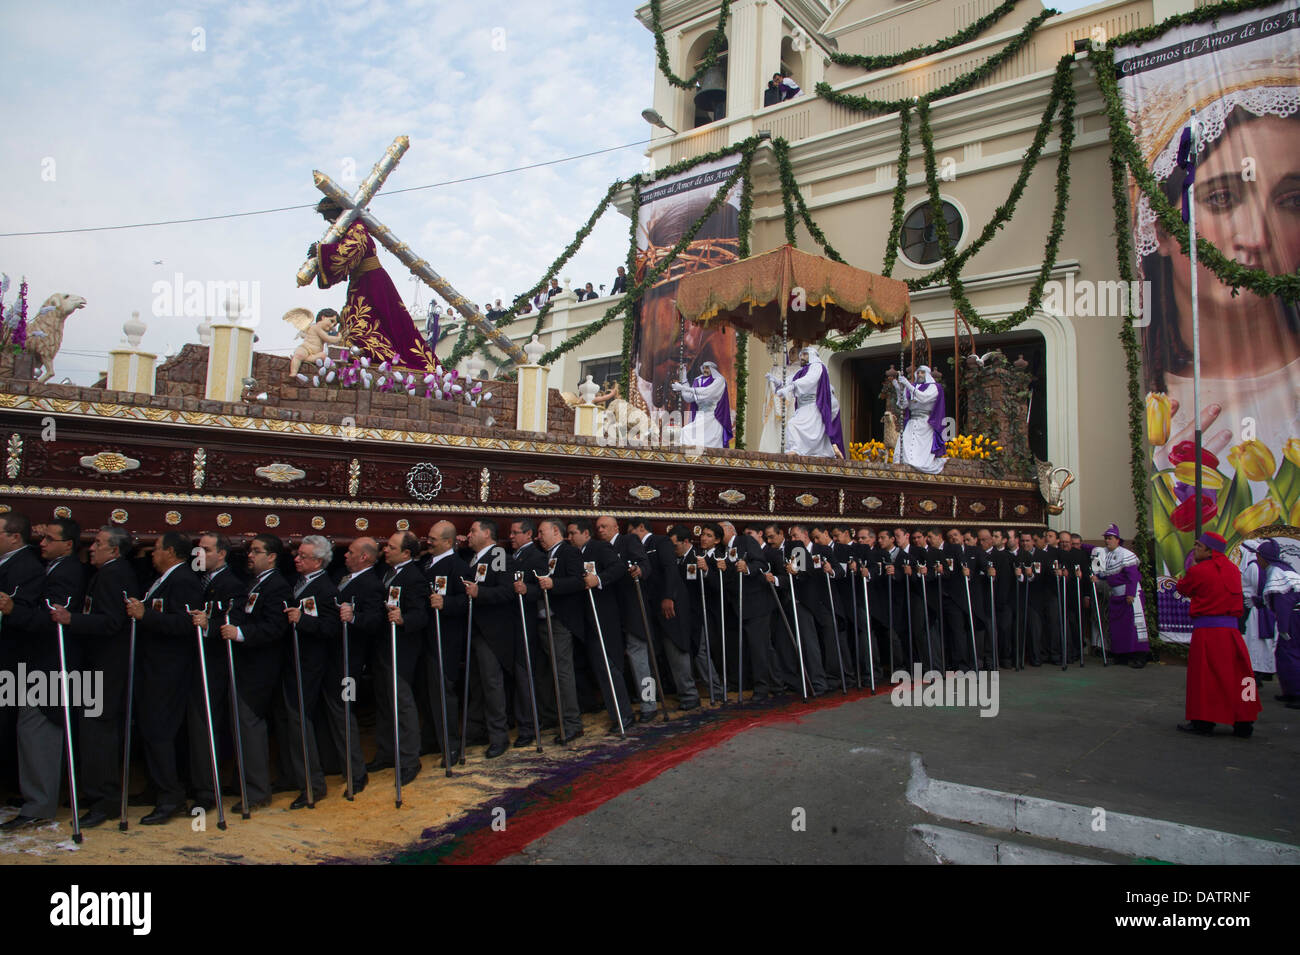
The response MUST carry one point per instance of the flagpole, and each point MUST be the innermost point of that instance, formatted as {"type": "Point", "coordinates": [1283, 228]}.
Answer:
{"type": "Point", "coordinates": [1196, 321]}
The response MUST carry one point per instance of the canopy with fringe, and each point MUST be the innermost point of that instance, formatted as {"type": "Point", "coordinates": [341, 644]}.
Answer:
{"type": "Point", "coordinates": [756, 294]}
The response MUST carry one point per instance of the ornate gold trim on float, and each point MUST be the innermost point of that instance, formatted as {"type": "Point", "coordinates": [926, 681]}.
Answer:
{"type": "Point", "coordinates": [280, 473]}
{"type": "Point", "coordinates": [642, 492]}
{"type": "Point", "coordinates": [100, 409]}
{"type": "Point", "coordinates": [730, 496]}
{"type": "Point", "coordinates": [541, 487]}
{"type": "Point", "coordinates": [108, 462]}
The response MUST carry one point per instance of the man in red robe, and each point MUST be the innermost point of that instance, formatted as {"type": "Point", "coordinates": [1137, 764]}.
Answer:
{"type": "Point", "coordinates": [1220, 684]}
{"type": "Point", "coordinates": [374, 318]}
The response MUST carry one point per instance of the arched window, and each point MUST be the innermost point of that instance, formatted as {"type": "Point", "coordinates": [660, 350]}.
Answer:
{"type": "Point", "coordinates": [707, 103]}
{"type": "Point", "coordinates": [792, 58]}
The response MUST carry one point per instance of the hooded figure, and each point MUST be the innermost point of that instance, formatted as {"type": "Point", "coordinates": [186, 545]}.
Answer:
{"type": "Point", "coordinates": [1261, 631]}
{"type": "Point", "coordinates": [1281, 596]}
{"type": "Point", "coordinates": [1118, 567]}
{"type": "Point", "coordinates": [711, 409]}
{"type": "Point", "coordinates": [920, 444]}
{"type": "Point", "coordinates": [814, 428]}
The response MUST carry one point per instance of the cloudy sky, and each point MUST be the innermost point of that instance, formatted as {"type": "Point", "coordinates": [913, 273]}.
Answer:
{"type": "Point", "coordinates": [137, 112]}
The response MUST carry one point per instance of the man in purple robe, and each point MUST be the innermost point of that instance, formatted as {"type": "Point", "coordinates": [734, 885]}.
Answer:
{"type": "Point", "coordinates": [710, 425]}
{"type": "Point", "coordinates": [1118, 568]}
{"type": "Point", "coordinates": [374, 318]}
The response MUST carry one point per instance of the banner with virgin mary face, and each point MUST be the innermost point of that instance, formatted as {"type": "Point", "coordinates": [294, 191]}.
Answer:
{"type": "Point", "coordinates": [1241, 75]}
{"type": "Point", "coordinates": [664, 345]}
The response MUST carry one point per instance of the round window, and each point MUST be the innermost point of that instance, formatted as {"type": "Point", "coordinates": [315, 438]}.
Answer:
{"type": "Point", "coordinates": [919, 240]}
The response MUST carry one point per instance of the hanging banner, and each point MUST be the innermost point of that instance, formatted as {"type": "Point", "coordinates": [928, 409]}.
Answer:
{"type": "Point", "coordinates": [663, 343]}
{"type": "Point", "coordinates": [1241, 73]}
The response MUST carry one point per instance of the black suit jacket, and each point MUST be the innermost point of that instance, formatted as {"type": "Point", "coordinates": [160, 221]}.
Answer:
{"type": "Point", "coordinates": [569, 593]}
{"type": "Point", "coordinates": [102, 630]}
{"type": "Point", "coordinates": [259, 614]}
{"type": "Point", "coordinates": [495, 607]}
{"type": "Point", "coordinates": [611, 570]}
{"type": "Point", "coordinates": [365, 591]}
{"type": "Point", "coordinates": [22, 577]}
{"type": "Point", "coordinates": [526, 560]}
{"type": "Point", "coordinates": [318, 634]}
{"type": "Point", "coordinates": [630, 550]}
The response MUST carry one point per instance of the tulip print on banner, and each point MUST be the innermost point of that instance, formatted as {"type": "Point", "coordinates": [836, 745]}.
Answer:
{"type": "Point", "coordinates": [1241, 73]}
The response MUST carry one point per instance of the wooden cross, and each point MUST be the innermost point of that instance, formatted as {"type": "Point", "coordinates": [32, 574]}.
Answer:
{"type": "Point", "coordinates": [354, 210]}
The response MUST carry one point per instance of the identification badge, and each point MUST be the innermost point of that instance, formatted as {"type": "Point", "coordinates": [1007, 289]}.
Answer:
{"type": "Point", "coordinates": [1038, 567]}
{"type": "Point", "coordinates": [732, 554]}
{"type": "Point", "coordinates": [550, 566]}
{"type": "Point", "coordinates": [394, 596]}
{"type": "Point", "coordinates": [817, 560]}
{"type": "Point", "coordinates": [950, 563]}
{"type": "Point", "coordinates": [588, 566]}
{"type": "Point", "coordinates": [440, 585]}
{"type": "Point", "coordinates": [252, 602]}
{"type": "Point", "coordinates": [308, 606]}
{"type": "Point", "coordinates": [85, 606]}
{"type": "Point", "coordinates": [480, 573]}
{"type": "Point", "coordinates": [691, 571]}
{"type": "Point", "coordinates": [157, 604]}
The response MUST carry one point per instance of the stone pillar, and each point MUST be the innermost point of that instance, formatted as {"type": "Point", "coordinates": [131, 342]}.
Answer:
{"type": "Point", "coordinates": [531, 409]}
{"type": "Point", "coordinates": [230, 361]}
{"type": "Point", "coordinates": [131, 370]}
{"type": "Point", "coordinates": [585, 419]}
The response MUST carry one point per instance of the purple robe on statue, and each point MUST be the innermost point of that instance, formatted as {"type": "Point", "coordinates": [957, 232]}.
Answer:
{"type": "Point", "coordinates": [830, 416]}
{"type": "Point", "coordinates": [935, 418]}
{"type": "Point", "coordinates": [721, 411]}
{"type": "Point", "coordinates": [374, 318]}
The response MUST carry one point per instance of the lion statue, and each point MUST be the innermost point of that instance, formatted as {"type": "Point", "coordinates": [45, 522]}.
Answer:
{"type": "Point", "coordinates": [45, 331]}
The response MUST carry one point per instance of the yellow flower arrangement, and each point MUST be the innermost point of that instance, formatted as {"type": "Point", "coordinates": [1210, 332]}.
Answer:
{"type": "Point", "coordinates": [972, 447]}
{"type": "Point", "coordinates": [870, 451]}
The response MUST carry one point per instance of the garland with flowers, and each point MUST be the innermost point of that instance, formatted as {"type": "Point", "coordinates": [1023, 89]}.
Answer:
{"type": "Point", "coordinates": [915, 53]}
{"type": "Point", "coordinates": [710, 54]}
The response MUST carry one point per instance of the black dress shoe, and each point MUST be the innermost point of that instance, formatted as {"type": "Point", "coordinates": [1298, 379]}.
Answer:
{"type": "Point", "coordinates": [1198, 727]}
{"type": "Point", "coordinates": [22, 822]}
{"type": "Point", "coordinates": [375, 765]}
{"type": "Point", "coordinates": [455, 758]}
{"type": "Point", "coordinates": [238, 808]}
{"type": "Point", "coordinates": [408, 775]}
{"type": "Point", "coordinates": [523, 741]}
{"type": "Point", "coordinates": [571, 737]}
{"type": "Point", "coordinates": [759, 697]}
{"type": "Point", "coordinates": [302, 803]}
{"type": "Point", "coordinates": [160, 815]}
{"type": "Point", "coordinates": [359, 784]}
{"type": "Point", "coordinates": [15, 802]}
{"type": "Point", "coordinates": [495, 750]}
{"type": "Point", "coordinates": [92, 818]}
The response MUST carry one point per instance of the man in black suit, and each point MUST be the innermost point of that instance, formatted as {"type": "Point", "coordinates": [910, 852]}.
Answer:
{"type": "Point", "coordinates": [102, 635]}
{"type": "Point", "coordinates": [527, 559]}
{"type": "Point", "coordinates": [1044, 603]}
{"type": "Point", "coordinates": [166, 655]}
{"type": "Point", "coordinates": [445, 573]}
{"type": "Point", "coordinates": [1000, 571]}
{"type": "Point", "coordinates": [21, 578]}
{"type": "Point", "coordinates": [41, 727]}
{"type": "Point", "coordinates": [315, 613]}
{"type": "Point", "coordinates": [491, 588]}
{"type": "Point", "coordinates": [744, 570]}
{"type": "Point", "coordinates": [790, 566]}
{"type": "Point", "coordinates": [407, 600]}
{"type": "Point", "coordinates": [258, 625]}
{"type": "Point", "coordinates": [603, 634]}
{"type": "Point", "coordinates": [632, 553]}
{"type": "Point", "coordinates": [620, 282]}
{"type": "Point", "coordinates": [671, 598]}
{"type": "Point", "coordinates": [835, 647]}
{"type": "Point", "coordinates": [566, 593]}
{"type": "Point", "coordinates": [817, 595]}
{"type": "Point", "coordinates": [221, 588]}
{"type": "Point", "coordinates": [362, 612]}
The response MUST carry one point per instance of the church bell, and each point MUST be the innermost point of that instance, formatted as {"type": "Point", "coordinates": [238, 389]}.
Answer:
{"type": "Point", "coordinates": [713, 90]}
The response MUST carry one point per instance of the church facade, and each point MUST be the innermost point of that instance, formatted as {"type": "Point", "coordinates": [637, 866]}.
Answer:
{"type": "Point", "coordinates": [845, 163]}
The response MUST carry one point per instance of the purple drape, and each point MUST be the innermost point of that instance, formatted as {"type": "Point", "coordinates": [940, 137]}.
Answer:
{"type": "Point", "coordinates": [721, 411]}
{"type": "Point", "coordinates": [935, 419]}
{"type": "Point", "coordinates": [831, 422]}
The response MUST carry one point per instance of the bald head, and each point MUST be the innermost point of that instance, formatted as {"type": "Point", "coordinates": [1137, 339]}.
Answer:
{"type": "Point", "coordinates": [442, 536]}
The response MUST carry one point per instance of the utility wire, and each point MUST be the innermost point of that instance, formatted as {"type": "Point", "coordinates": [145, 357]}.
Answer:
{"type": "Point", "coordinates": [310, 205]}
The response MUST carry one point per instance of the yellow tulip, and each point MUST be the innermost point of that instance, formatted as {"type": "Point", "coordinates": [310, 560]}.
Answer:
{"type": "Point", "coordinates": [1256, 516]}
{"type": "Point", "coordinates": [1186, 473]}
{"type": "Point", "coordinates": [1294, 517]}
{"type": "Point", "coordinates": [1292, 451]}
{"type": "Point", "coordinates": [1253, 459]}
{"type": "Point", "coordinates": [1159, 415]}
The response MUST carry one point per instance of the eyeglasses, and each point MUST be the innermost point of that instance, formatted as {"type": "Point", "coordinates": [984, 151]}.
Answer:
{"type": "Point", "coordinates": [52, 539]}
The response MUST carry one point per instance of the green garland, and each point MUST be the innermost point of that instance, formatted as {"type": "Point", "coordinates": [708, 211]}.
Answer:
{"type": "Point", "coordinates": [1123, 144]}
{"type": "Point", "coordinates": [710, 54]}
{"type": "Point", "coordinates": [1064, 83]}
{"type": "Point", "coordinates": [788, 187]}
{"type": "Point", "coordinates": [959, 85]}
{"type": "Point", "coordinates": [1125, 254]}
{"type": "Point", "coordinates": [744, 224]}
{"type": "Point", "coordinates": [915, 53]}
{"type": "Point", "coordinates": [1200, 15]}
{"type": "Point", "coordinates": [900, 188]}
{"type": "Point", "coordinates": [634, 215]}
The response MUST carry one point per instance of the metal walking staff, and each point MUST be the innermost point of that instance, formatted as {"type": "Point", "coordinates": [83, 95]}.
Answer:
{"type": "Point", "coordinates": [708, 653]}
{"type": "Point", "coordinates": [347, 707]}
{"type": "Point", "coordinates": [234, 718]}
{"type": "Point", "coordinates": [395, 600]}
{"type": "Point", "coordinates": [722, 626]}
{"type": "Point", "coordinates": [925, 602]}
{"type": "Point", "coordinates": [469, 665]}
{"type": "Point", "coordinates": [1061, 613]}
{"type": "Point", "coordinates": [871, 660]}
{"type": "Point", "coordinates": [126, 742]}
{"type": "Point", "coordinates": [798, 637]}
{"type": "Point", "coordinates": [803, 680]}
{"type": "Point", "coordinates": [212, 736]}
{"type": "Point", "coordinates": [650, 647]}
{"type": "Point", "coordinates": [835, 634]}
{"type": "Point", "coordinates": [1078, 601]}
{"type": "Point", "coordinates": [857, 637]}
{"type": "Point", "coordinates": [440, 588]}
{"type": "Point", "coordinates": [609, 674]}
{"type": "Point", "coordinates": [302, 718]}
{"type": "Point", "coordinates": [67, 726]}
{"type": "Point", "coordinates": [970, 617]}
{"type": "Point", "coordinates": [528, 662]}
{"type": "Point", "coordinates": [555, 666]}
{"type": "Point", "coordinates": [1101, 634]}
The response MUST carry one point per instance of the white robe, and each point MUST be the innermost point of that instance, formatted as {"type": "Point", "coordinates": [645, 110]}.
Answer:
{"type": "Point", "coordinates": [706, 430]}
{"type": "Point", "coordinates": [916, 442]}
{"type": "Point", "coordinates": [805, 432]}
{"type": "Point", "coordinates": [1261, 651]}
